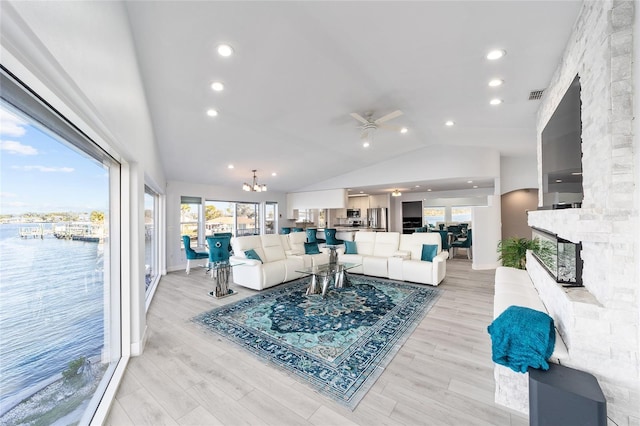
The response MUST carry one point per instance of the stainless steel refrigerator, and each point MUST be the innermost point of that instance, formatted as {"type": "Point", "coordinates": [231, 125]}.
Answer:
{"type": "Point", "coordinates": [378, 218]}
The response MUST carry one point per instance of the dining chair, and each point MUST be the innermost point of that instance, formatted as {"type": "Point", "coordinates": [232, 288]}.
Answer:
{"type": "Point", "coordinates": [225, 234]}
{"type": "Point", "coordinates": [191, 253]}
{"type": "Point", "coordinates": [285, 230]}
{"type": "Point", "coordinates": [218, 252]}
{"type": "Point", "coordinates": [297, 229]}
{"type": "Point", "coordinates": [330, 236]}
{"type": "Point", "coordinates": [444, 236]}
{"type": "Point", "coordinates": [464, 243]}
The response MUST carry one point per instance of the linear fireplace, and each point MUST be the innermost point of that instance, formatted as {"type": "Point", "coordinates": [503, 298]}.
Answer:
{"type": "Point", "coordinates": [560, 257]}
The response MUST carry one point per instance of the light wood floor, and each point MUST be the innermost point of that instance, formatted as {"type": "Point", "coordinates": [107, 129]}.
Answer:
{"type": "Point", "coordinates": [443, 375]}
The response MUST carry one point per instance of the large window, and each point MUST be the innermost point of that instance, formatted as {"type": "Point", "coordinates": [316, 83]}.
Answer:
{"type": "Point", "coordinates": [219, 217]}
{"type": "Point", "coordinates": [248, 219]}
{"type": "Point", "coordinates": [151, 244]}
{"type": "Point", "coordinates": [190, 211]}
{"type": "Point", "coordinates": [271, 218]}
{"type": "Point", "coordinates": [432, 215]}
{"type": "Point", "coordinates": [60, 316]}
{"type": "Point", "coordinates": [461, 214]}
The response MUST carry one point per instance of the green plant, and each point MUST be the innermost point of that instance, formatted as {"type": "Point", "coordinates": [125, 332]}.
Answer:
{"type": "Point", "coordinates": [513, 251]}
{"type": "Point", "coordinates": [74, 367]}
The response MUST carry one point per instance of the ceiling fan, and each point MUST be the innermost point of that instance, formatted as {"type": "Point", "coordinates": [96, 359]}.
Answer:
{"type": "Point", "coordinates": [370, 125]}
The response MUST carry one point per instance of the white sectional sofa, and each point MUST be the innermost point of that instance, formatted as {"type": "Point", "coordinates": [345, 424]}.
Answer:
{"type": "Point", "coordinates": [281, 256]}
{"type": "Point", "coordinates": [380, 254]}
{"type": "Point", "coordinates": [397, 256]}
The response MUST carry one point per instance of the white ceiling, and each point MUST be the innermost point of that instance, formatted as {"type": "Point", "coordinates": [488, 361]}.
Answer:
{"type": "Point", "coordinates": [300, 68]}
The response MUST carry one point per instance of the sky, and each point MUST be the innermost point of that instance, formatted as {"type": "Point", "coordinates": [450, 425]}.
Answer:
{"type": "Point", "coordinates": [39, 173]}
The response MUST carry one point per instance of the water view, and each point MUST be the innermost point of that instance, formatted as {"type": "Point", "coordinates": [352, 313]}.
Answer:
{"type": "Point", "coordinates": [52, 305]}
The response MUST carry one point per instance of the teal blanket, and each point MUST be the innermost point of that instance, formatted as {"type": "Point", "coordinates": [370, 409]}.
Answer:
{"type": "Point", "coordinates": [522, 338]}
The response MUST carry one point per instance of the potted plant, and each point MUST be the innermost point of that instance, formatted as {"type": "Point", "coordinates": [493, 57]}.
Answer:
{"type": "Point", "coordinates": [513, 251]}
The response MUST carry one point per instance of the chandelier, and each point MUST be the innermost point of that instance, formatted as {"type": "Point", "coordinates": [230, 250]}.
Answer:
{"type": "Point", "coordinates": [396, 193]}
{"type": "Point", "coordinates": [255, 187]}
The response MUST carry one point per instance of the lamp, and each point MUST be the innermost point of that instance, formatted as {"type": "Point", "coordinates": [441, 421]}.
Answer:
{"type": "Point", "coordinates": [396, 193]}
{"type": "Point", "coordinates": [255, 187]}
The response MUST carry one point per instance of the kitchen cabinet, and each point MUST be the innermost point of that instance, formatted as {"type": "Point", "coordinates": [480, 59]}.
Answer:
{"type": "Point", "coordinates": [361, 203]}
{"type": "Point", "coordinates": [379, 201]}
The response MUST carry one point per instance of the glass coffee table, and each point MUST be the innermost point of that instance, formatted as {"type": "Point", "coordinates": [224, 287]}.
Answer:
{"type": "Point", "coordinates": [322, 275]}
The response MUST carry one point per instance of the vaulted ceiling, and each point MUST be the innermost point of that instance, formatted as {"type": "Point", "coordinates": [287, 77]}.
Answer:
{"type": "Point", "coordinates": [300, 68]}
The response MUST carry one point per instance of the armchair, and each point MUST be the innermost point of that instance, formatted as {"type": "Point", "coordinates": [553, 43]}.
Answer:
{"type": "Point", "coordinates": [463, 243]}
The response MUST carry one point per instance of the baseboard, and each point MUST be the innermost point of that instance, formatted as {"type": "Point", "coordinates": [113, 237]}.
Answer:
{"type": "Point", "coordinates": [138, 347]}
{"type": "Point", "coordinates": [485, 266]}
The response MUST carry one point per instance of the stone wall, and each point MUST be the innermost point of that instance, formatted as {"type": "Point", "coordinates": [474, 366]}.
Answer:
{"type": "Point", "coordinates": [600, 322]}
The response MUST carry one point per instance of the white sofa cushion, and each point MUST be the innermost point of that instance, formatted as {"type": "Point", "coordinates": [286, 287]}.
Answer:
{"type": "Point", "coordinates": [386, 244]}
{"type": "Point", "coordinates": [296, 242]}
{"type": "Point", "coordinates": [272, 247]}
{"type": "Point", "coordinates": [365, 242]}
{"type": "Point", "coordinates": [240, 245]}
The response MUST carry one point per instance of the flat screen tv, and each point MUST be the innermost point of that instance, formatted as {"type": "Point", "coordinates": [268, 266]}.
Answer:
{"type": "Point", "coordinates": [562, 153]}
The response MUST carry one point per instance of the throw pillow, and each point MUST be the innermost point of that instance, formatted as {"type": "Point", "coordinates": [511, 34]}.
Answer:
{"type": "Point", "coordinates": [429, 251]}
{"type": "Point", "coordinates": [251, 254]}
{"type": "Point", "coordinates": [311, 248]}
{"type": "Point", "coordinates": [350, 247]}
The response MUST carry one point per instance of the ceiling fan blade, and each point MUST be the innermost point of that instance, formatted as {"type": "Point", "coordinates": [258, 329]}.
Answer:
{"type": "Point", "coordinates": [390, 116]}
{"type": "Point", "coordinates": [359, 117]}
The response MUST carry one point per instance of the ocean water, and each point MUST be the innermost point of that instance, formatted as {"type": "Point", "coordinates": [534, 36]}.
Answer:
{"type": "Point", "coordinates": [51, 308]}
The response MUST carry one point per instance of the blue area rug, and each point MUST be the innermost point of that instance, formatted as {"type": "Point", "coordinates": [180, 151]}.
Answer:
{"type": "Point", "coordinates": [339, 344]}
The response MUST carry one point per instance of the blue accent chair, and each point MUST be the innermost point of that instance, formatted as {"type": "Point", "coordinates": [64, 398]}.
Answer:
{"type": "Point", "coordinates": [191, 253]}
{"type": "Point", "coordinates": [297, 229]}
{"type": "Point", "coordinates": [421, 229]}
{"type": "Point", "coordinates": [330, 236]}
{"type": "Point", "coordinates": [444, 235]}
{"type": "Point", "coordinates": [218, 251]}
{"type": "Point", "coordinates": [312, 236]}
{"type": "Point", "coordinates": [285, 231]}
{"type": "Point", "coordinates": [463, 243]}
{"type": "Point", "coordinates": [225, 234]}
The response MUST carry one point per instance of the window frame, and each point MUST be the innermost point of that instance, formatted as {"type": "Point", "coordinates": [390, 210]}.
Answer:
{"type": "Point", "coordinates": [19, 96]}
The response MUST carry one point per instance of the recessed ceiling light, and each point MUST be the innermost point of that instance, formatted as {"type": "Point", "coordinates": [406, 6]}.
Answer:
{"type": "Point", "coordinates": [429, 190]}
{"type": "Point", "coordinates": [576, 173]}
{"type": "Point", "coordinates": [496, 54]}
{"type": "Point", "coordinates": [449, 123]}
{"type": "Point", "coordinates": [417, 186]}
{"type": "Point", "coordinates": [404, 130]}
{"type": "Point", "coordinates": [362, 192]}
{"type": "Point", "coordinates": [217, 86]}
{"type": "Point", "coordinates": [475, 186]}
{"type": "Point", "coordinates": [274, 174]}
{"type": "Point", "coordinates": [495, 101]}
{"type": "Point", "coordinates": [230, 166]}
{"type": "Point", "coordinates": [212, 113]}
{"type": "Point", "coordinates": [365, 144]}
{"type": "Point", "coordinates": [496, 82]}
{"type": "Point", "coordinates": [469, 181]}
{"type": "Point", "coordinates": [558, 180]}
{"type": "Point", "coordinates": [225, 50]}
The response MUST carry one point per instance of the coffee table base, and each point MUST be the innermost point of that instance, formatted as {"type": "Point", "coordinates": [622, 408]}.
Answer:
{"type": "Point", "coordinates": [340, 280]}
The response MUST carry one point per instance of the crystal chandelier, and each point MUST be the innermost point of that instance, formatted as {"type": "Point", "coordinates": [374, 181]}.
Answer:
{"type": "Point", "coordinates": [396, 193]}
{"type": "Point", "coordinates": [255, 187]}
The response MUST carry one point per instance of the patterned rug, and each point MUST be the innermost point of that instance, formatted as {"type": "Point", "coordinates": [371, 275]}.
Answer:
{"type": "Point", "coordinates": [339, 344]}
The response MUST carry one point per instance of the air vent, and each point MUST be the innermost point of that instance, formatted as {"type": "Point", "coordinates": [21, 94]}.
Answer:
{"type": "Point", "coordinates": [534, 95]}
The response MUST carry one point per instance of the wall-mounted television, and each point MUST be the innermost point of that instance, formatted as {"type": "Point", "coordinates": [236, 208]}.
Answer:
{"type": "Point", "coordinates": [562, 153]}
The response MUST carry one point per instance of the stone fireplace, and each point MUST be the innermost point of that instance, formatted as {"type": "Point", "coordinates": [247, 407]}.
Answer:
{"type": "Point", "coordinates": [599, 322]}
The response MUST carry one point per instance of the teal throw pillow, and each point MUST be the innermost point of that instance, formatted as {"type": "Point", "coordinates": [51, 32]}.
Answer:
{"type": "Point", "coordinates": [311, 248]}
{"type": "Point", "coordinates": [251, 254]}
{"type": "Point", "coordinates": [350, 247]}
{"type": "Point", "coordinates": [429, 251]}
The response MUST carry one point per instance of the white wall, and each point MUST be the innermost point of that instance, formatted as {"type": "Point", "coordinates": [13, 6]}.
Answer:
{"type": "Point", "coordinates": [486, 234]}
{"type": "Point", "coordinates": [518, 173]}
